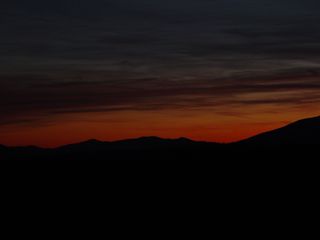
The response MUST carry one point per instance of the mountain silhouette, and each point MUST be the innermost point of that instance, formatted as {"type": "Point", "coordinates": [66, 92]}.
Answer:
{"type": "Point", "coordinates": [305, 132]}
{"type": "Point", "coordinates": [302, 132]}
{"type": "Point", "coordinates": [142, 143]}
{"type": "Point", "coordinates": [3, 148]}
{"type": "Point", "coordinates": [140, 148]}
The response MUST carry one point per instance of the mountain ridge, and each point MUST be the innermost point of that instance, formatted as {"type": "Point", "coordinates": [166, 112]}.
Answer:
{"type": "Point", "coordinates": [301, 132]}
{"type": "Point", "coordinates": [304, 131]}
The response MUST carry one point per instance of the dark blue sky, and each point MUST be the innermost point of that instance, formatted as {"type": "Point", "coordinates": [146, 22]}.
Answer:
{"type": "Point", "coordinates": [62, 57]}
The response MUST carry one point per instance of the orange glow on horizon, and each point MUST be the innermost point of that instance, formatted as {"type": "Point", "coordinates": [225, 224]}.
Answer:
{"type": "Point", "coordinates": [200, 126]}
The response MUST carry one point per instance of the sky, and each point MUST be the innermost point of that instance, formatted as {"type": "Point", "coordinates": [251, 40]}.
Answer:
{"type": "Point", "coordinates": [213, 70]}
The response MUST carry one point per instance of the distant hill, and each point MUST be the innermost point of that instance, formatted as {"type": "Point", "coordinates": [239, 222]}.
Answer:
{"type": "Point", "coordinates": [305, 133]}
{"type": "Point", "coordinates": [2, 148]}
{"type": "Point", "coordinates": [302, 132]}
{"type": "Point", "coordinates": [143, 143]}
{"type": "Point", "coordinates": [140, 148]}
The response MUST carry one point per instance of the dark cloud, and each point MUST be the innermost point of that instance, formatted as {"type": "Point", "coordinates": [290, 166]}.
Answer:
{"type": "Point", "coordinates": [72, 56]}
{"type": "Point", "coordinates": [152, 94]}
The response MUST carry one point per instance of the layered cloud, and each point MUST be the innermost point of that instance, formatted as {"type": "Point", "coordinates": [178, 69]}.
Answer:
{"type": "Point", "coordinates": [111, 56]}
{"type": "Point", "coordinates": [48, 98]}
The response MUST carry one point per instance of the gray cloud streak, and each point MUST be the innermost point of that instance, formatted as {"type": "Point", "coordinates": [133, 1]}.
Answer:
{"type": "Point", "coordinates": [143, 95]}
{"type": "Point", "coordinates": [156, 55]}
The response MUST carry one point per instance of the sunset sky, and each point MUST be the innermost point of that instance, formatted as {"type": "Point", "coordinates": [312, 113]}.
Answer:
{"type": "Point", "coordinates": [214, 70]}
